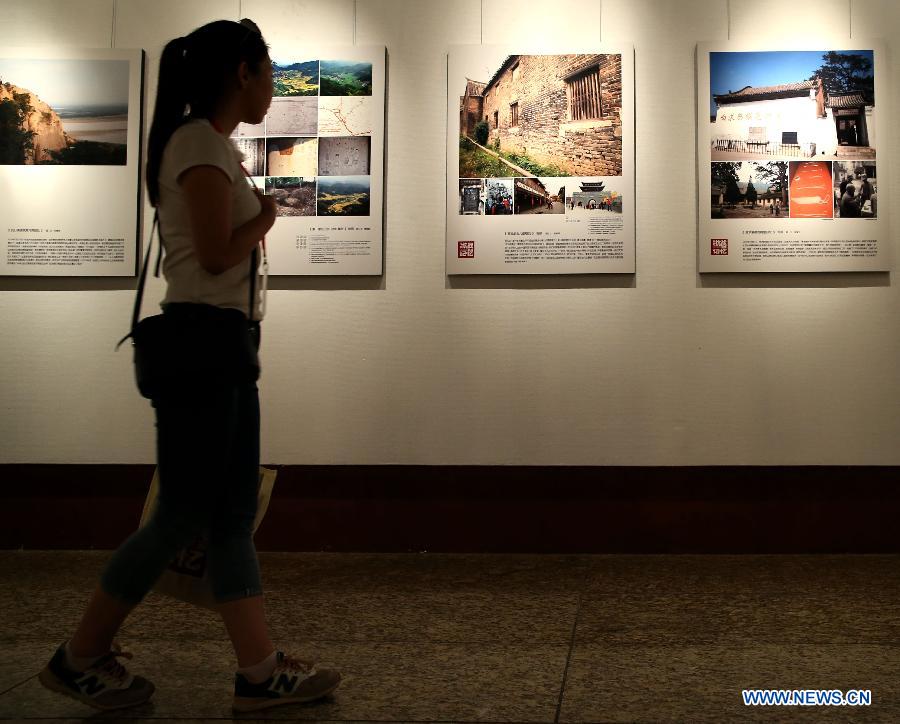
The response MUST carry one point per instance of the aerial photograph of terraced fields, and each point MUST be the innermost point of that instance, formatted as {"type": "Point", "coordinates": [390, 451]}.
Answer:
{"type": "Point", "coordinates": [296, 79]}
{"type": "Point", "coordinates": [342, 196]}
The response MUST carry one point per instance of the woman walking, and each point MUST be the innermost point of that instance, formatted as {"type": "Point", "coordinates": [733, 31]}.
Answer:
{"type": "Point", "coordinates": [211, 222]}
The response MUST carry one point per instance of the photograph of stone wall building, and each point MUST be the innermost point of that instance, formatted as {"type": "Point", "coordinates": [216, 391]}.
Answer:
{"type": "Point", "coordinates": [470, 107]}
{"type": "Point", "coordinates": [544, 115]}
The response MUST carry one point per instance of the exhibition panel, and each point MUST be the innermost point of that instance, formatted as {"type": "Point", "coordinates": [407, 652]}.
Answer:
{"type": "Point", "coordinates": [540, 161]}
{"type": "Point", "coordinates": [70, 156]}
{"type": "Point", "coordinates": [787, 147]}
{"type": "Point", "coordinates": [320, 154]}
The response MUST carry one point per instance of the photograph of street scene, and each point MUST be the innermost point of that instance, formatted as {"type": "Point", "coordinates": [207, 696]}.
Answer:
{"type": "Point", "coordinates": [540, 195]}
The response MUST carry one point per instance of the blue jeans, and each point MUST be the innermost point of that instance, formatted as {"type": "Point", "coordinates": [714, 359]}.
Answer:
{"type": "Point", "coordinates": [208, 456]}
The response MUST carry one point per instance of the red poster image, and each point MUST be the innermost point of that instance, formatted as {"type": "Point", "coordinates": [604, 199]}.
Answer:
{"type": "Point", "coordinates": [810, 193]}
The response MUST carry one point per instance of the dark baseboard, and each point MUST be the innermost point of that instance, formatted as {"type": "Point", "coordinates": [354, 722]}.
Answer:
{"type": "Point", "coordinates": [492, 508]}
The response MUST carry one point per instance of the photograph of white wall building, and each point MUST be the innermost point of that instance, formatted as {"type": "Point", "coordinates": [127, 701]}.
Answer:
{"type": "Point", "coordinates": [828, 115]}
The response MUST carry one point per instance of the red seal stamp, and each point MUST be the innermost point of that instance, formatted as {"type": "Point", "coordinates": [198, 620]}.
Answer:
{"type": "Point", "coordinates": [465, 249]}
{"type": "Point", "coordinates": [718, 247]}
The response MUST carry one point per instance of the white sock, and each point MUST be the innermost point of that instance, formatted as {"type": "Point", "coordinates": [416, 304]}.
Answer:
{"type": "Point", "coordinates": [77, 663]}
{"type": "Point", "coordinates": [258, 673]}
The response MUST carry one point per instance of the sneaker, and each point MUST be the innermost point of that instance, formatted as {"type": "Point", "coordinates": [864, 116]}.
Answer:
{"type": "Point", "coordinates": [105, 684]}
{"type": "Point", "coordinates": [293, 681]}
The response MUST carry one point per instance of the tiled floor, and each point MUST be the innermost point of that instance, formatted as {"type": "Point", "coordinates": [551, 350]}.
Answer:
{"type": "Point", "coordinates": [444, 638]}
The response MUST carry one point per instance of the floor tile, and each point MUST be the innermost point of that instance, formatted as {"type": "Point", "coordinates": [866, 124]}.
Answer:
{"type": "Point", "coordinates": [42, 593]}
{"type": "Point", "coordinates": [729, 573]}
{"type": "Point", "coordinates": [486, 638]}
{"type": "Point", "coordinates": [718, 599]}
{"type": "Point", "coordinates": [527, 599]}
{"type": "Point", "coordinates": [332, 571]}
{"type": "Point", "coordinates": [19, 664]}
{"type": "Point", "coordinates": [704, 683]}
{"type": "Point", "coordinates": [439, 598]}
{"type": "Point", "coordinates": [424, 615]}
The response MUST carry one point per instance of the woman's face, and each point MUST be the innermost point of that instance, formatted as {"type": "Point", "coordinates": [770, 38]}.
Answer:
{"type": "Point", "coordinates": [258, 93]}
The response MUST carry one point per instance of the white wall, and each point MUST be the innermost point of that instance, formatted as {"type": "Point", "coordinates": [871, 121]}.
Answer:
{"type": "Point", "coordinates": [663, 368]}
{"type": "Point", "coordinates": [777, 116]}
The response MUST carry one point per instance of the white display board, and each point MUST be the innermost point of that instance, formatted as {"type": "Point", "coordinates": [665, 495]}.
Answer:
{"type": "Point", "coordinates": [792, 159]}
{"type": "Point", "coordinates": [70, 130]}
{"type": "Point", "coordinates": [320, 153]}
{"type": "Point", "coordinates": [540, 161]}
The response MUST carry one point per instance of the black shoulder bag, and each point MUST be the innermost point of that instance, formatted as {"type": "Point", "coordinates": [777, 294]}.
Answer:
{"type": "Point", "coordinates": [192, 346]}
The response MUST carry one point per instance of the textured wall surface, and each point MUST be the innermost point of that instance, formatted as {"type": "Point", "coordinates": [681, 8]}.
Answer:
{"type": "Point", "coordinates": [661, 368]}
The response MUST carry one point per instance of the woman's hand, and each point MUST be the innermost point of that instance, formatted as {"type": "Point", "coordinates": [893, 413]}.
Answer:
{"type": "Point", "coordinates": [207, 191]}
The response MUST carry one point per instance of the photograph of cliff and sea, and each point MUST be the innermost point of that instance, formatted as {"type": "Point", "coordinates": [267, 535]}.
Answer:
{"type": "Point", "coordinates": [63, 112]}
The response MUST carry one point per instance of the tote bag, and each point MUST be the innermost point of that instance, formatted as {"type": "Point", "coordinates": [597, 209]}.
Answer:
{"type": "Point", "coordinates": [187, 576]}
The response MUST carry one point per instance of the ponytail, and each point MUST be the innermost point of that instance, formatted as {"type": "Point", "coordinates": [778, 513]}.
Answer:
{"type": "Point", "coordinates": [195, 73]}
{"type": "Point", "coordinates": [169, 113]}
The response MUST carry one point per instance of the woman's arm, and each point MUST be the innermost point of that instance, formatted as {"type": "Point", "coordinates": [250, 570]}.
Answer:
{"type": "Point", "coordinates": [219, 248]}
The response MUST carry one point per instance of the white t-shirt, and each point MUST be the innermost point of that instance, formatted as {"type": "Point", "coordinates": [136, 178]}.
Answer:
{"type": "Point", "coordinates": [197, 143]}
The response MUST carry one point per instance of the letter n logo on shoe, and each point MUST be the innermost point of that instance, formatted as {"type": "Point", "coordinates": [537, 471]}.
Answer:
{"type": "Point", "coordinates": [284, 683]}
{"type": "Point", "coordinates": [91, 685]}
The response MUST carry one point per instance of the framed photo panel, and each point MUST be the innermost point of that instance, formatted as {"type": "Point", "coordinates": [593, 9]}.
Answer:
{"type": "Point", "coordinates": [791, 159]}
{"type": "Point", "coordinates": [320, 154]}
{"type": "Point", "coordinates": [540, 162]}
{"type": "Point", "coordinates": [70, 160]}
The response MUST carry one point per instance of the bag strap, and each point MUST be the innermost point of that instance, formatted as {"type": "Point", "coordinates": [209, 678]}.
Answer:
{"type": "Point", "coordinates": [251, 307]}
{"type": "Point", "coordinates": [139, 294]}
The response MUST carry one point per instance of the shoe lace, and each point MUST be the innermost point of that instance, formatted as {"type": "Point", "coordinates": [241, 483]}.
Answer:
{"type": "Point", "coordinates": [301, 666]}
{"type": "Point", "coordinates": [111, 666]}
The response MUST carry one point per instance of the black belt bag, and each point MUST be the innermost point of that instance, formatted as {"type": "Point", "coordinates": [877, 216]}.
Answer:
{"type": "Point", "coordinates": [192, 346]}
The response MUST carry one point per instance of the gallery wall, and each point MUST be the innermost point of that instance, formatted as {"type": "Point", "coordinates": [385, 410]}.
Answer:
{"type": "Point", "coordinates": [663, 367]}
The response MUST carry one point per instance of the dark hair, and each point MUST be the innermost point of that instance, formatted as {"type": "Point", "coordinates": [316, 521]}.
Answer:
{"type": "Point", "coordinates": [195, 74]}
